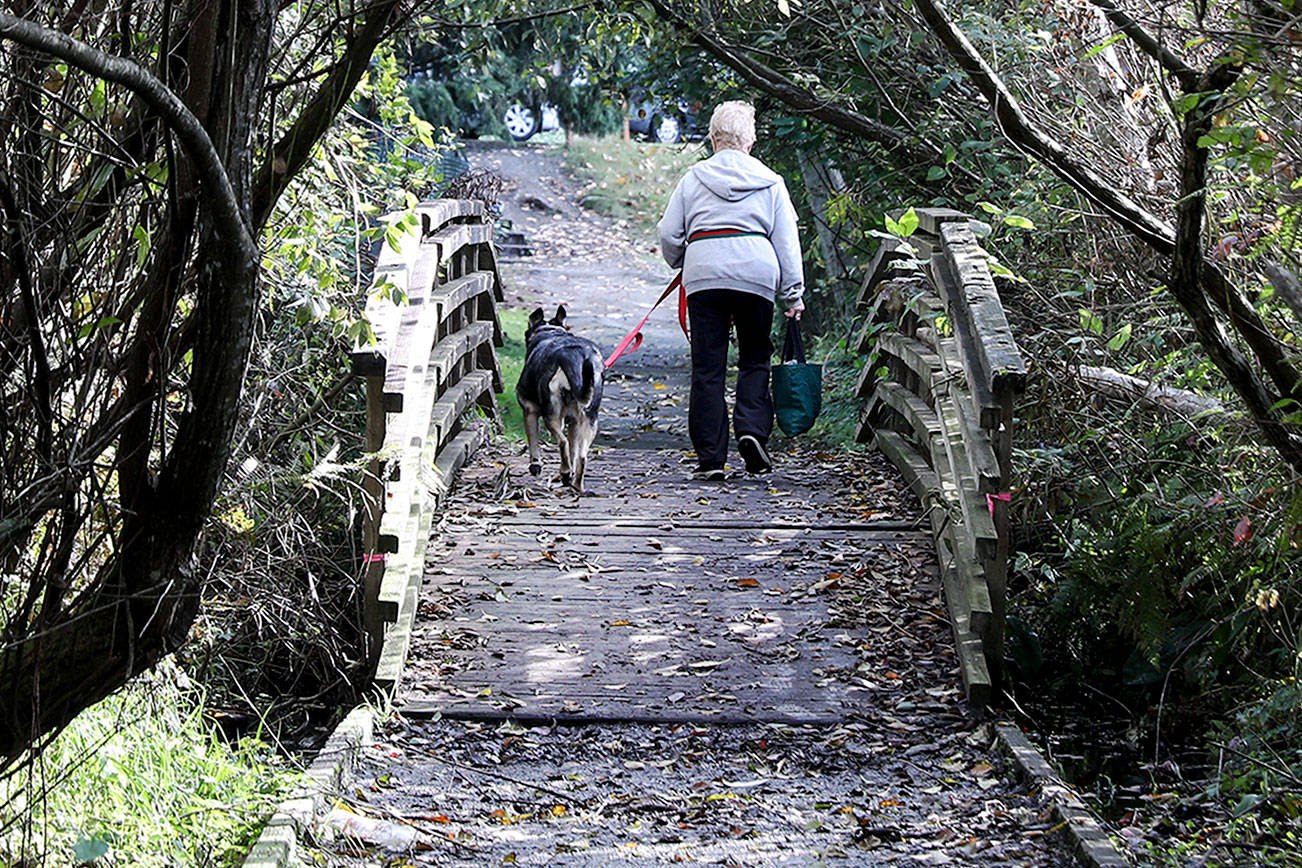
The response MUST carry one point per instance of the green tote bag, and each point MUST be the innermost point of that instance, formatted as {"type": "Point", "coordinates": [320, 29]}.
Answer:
{"type": "Point", "coordinates": [797, 385]}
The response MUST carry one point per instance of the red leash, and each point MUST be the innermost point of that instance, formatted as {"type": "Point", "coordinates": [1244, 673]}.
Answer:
{"type": "Point", "coordinates": [634, 338]}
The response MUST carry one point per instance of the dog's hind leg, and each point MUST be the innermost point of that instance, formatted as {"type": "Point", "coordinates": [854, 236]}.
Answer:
{"type": "Point", "coordinates": [531, 435]}
{"type": "Point", "coordinates": [584, 431]}
{"type": "Point", "coordinates": [557, 427]}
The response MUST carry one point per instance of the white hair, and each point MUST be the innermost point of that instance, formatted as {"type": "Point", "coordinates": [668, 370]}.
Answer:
{"type": "Point", "coordinates": [733, 125]}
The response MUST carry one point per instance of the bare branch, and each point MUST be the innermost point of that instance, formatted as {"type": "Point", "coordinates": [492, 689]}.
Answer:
{"type": "Point", "coordinates": [1147, 43]}
{"type": "Point", "coordinates": [194, 138]}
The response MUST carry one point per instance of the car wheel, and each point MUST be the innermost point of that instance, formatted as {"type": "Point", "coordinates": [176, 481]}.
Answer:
{"type": "Point", "coordinates": [521, 121]}
{"type": "Point", "coordinates": [667, 129]}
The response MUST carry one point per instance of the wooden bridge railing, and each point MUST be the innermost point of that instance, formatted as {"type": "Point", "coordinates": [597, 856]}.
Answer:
{"type": "Point", "coordinates": [432, 308]}
{"type": "Point", "coordinates": [943, 374]}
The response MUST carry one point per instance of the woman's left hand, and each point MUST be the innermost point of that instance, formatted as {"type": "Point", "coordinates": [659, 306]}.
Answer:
{"type": "Point", "coordinates": [795, 310]}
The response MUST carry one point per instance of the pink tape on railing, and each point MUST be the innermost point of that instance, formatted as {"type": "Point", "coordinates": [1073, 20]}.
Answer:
{"type": "Point", "coordinates": [370, 559]}
{"type": "Point", "coordinates": [1005, 496]}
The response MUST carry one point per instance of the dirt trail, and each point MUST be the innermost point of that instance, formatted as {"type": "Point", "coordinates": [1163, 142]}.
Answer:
{"type": "Point", "coordinates": [752, 673]}
{"type": "Point", "coordinates": [606, 277]}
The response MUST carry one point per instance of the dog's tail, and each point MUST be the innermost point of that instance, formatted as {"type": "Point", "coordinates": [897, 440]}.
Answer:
{"type": "Point", "coordinates": [582, 376]}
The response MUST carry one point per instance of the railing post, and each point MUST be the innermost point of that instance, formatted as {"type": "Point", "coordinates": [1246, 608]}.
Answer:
{"type": "Point", "coordinates": [373, 486]}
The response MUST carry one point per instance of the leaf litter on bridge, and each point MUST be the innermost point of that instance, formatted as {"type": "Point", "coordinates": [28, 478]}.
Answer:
{"type": "Point", "coordinates": [909, 778]}
{"type": "Point", "coordinates": [863, 793]}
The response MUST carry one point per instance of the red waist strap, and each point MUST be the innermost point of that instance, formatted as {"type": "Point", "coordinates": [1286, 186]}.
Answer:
{"type": "Point", "coordinates": [721, 233]}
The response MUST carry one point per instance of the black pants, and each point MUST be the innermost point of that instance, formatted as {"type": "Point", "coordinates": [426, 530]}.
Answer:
{"type": "Point", "coordinates": [712, 312]}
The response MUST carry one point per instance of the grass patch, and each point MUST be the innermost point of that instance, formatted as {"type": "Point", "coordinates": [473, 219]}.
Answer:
{"type": "Point", "coordinates": [141, 779]}
{"type": "Point", "coordinates": [630, 180]}
{"type": "Point", "coordinates": [510, 358]}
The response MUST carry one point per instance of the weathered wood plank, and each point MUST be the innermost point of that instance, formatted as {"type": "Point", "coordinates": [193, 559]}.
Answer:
{"type": "Point", "coordinates": [453, 238]}
{"type": "Point", "coordinates": [434, 213]}
{"type": "Point", "coordinates": [447, 411]}
{"type": "Point", "coordinates": [931, 219]}
{"type": "Point", "coordinates": [408, 354]}
{"type": "Point", "coordinates": [459, 291]}
{"type": "Point", "coordinates": [977, 521]}
{"type": "Point", "coordinates": [1001, 359]}
{"type": "Point", "coordinates": [914, 355]}
{"type": "Point", "coordinates": [915, 469]}
{"type": "Point", "coordinates": [921, 418]}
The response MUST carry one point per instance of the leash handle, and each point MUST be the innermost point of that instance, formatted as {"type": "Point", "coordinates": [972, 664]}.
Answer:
{"type": "Point", "coordinates": [793, 348]}
{"type": "Point", "coordinates": [633, 339]}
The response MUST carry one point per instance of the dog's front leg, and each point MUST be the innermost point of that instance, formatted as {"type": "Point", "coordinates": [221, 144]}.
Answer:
{"type": "Point", "coordinates": [531, 435]}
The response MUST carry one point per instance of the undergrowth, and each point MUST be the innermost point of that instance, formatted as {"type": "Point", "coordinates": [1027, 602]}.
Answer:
{"type": "Point", "coordinates": [630, 180]}
{"type": "Point", "coordinates": [510, 358]}
{"type": "Point", "coordinates": [142, 779]}
{"type": "Point", "coordinates": [1156, 571]}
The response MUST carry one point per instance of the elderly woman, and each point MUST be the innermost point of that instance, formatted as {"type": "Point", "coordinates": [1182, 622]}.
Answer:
{"type": "Point", "coordinates": [731, 227]}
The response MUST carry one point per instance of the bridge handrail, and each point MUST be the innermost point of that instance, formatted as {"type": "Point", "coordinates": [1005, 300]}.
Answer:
{"type": "Point", "coordinates": [943, 373]}
{"type": "Point", "coordinates": [432, 307]}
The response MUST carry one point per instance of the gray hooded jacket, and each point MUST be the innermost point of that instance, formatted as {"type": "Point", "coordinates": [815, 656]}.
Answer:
{"type": "Point", "coordinates": [733, 190]}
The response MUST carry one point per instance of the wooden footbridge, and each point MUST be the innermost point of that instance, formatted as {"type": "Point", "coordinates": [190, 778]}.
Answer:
{"type": "Point", "coordinates": [841, 605]}
{"type": "Point", "coordinates": [659, 599]}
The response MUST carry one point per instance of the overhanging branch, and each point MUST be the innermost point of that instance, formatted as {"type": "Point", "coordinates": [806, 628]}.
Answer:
{"type": "Point", "coordinates": [229, 220]}
{"type": "Point", "coordinates": [1195, 280]}
{"type": "Point", "coordinates": [1019, 130]}
{"type": "Point", "coordinates": [801, 99]}
{"type": "Point", "coordinates": [1147, 43]}
{"type": "Point", "coordinates": [295, 146]}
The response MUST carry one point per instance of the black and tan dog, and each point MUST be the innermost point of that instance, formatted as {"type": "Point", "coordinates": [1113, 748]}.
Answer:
{"type": "Point", "coordinates": [561, 384]}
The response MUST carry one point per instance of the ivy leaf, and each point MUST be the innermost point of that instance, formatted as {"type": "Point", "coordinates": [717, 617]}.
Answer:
{"type": "Point", "coordinates": [1104, 45]}
{"type": "Point", "coordinates": [905, 226]}
{"type": "Point", "coordinates": [1120, 339]}
{"type": "Point", "coordinates": [1090, 322]}
{"type": "Point", "coordinates": [143, 244]}
{"type": "Point", "coordinates": [1018, 221]}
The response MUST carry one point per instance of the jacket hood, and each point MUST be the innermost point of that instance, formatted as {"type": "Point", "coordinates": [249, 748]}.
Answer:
{"type": "Point", "coordinates": [732, 175]}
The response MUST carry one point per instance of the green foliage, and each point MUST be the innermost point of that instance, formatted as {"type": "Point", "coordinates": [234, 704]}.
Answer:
{"type": "Point", "coordinates": [842, 365]}
{"type": "Point", "coordinates": [465, 79]}
{"type": "Point", "coordinates": [510, 357]}
{"type": "Point", "coordinates": [142, 779]}
{"type": "Point", "coordinates": [630, 180]}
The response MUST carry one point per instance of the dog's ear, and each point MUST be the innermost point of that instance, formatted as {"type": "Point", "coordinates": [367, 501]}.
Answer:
{"type": "Point", "coordinates": [559, 319]}
{"type": "Point", "coordinates": [536, 318]}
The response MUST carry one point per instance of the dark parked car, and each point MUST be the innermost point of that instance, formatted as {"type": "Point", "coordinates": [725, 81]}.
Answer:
{"type": "Point", "coordinates": [663, 122]}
